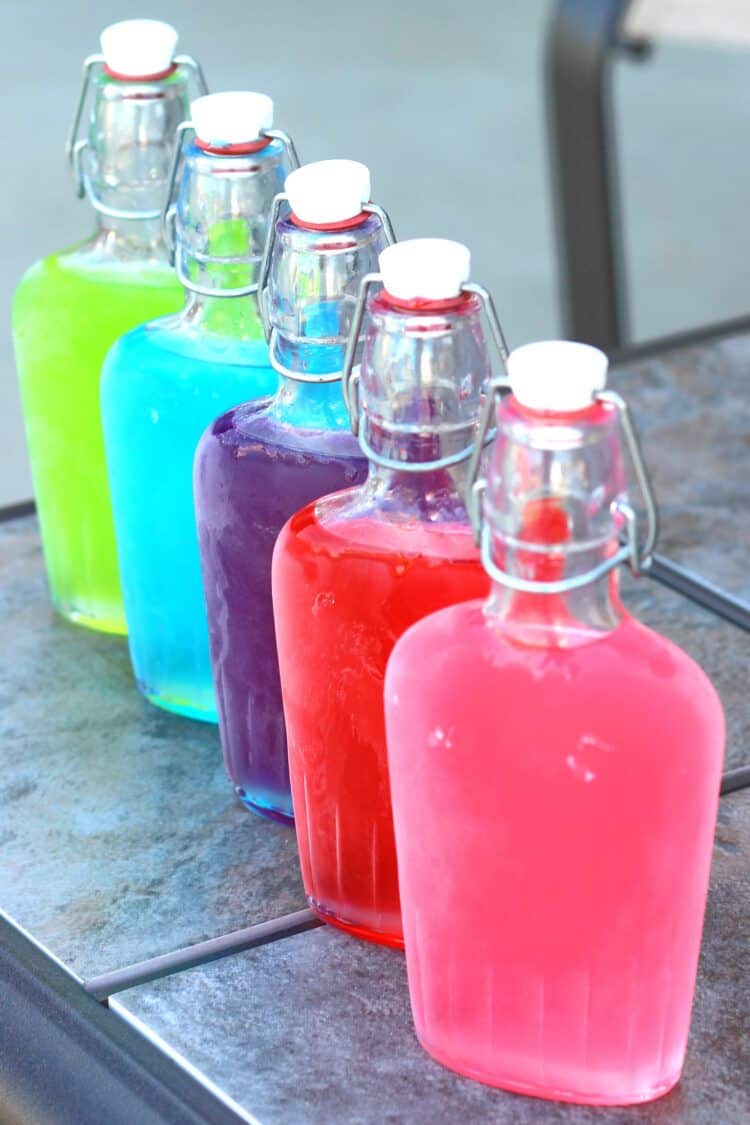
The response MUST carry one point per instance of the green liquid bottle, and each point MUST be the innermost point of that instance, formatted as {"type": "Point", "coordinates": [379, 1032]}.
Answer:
{"type": "Point", "coordinates": [71, 306]}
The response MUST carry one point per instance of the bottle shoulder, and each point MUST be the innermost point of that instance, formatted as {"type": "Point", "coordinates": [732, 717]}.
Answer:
{"type": "Point", "coordinates": [257, 425]}
{"type": "Point", "coordinates": [86, 262]}
{"type": "Point", "coordinates": [628, 664]}
{"type": "Point", "coordinates": [345, 523]}
{"type": "Point", "coordinates": [171, 343]}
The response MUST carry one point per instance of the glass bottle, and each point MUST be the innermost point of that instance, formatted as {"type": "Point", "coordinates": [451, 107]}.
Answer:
{"type": "Point", "coordinates": [258, 464]}
{"type": "Point", "coordinates": [166, 380]}
{"type": "Point", "coordinates": [70, 306]}
{"type": "Point", "coordinates": [353, 571]}
{"type": "Point", "coordinates": [555, 770]}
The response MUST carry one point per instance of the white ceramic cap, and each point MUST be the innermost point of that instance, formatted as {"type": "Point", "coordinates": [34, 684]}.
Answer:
{"type": "Point", "coordinates": [136, 48]}
{"type": "Point", "coordinates": [557, 375]}
{"type": "Point", "coordinates": [328, 191]}
{"type": "Point", "coordinates": [427, 269]}
{"type": "Point", "coordinates": [236, 117]}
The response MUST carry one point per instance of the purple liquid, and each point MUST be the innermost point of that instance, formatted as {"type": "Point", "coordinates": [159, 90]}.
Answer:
{"type": "Point", "coordinates": [253, 470]}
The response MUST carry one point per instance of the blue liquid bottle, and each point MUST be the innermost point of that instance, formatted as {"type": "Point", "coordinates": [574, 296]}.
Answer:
{"type": "Point", "coordinates": [165, 381]}
{"type": "Point", "coordinates": [260, 463]}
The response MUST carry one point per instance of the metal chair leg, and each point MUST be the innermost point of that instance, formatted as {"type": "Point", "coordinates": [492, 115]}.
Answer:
{"type": "Point", "coordinates": [581, 39]}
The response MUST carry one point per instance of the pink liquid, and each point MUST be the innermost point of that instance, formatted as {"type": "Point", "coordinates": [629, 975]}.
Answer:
{"type": "Point", "coordinates": [554, 812]}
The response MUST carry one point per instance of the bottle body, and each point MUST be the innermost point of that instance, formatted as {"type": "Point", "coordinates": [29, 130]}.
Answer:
{"type": "Point", "coordinates": [258, 465]}
{"type": "Point", "coordinates": [255, 466]}
{"type": "Point", "coordinates": [351, 574]}
{"type": "Point", "coordinates": [555, 953]}
{"type": "Point", "coordinates": [161, 385]}
{"type": "Point", "coordinates": [68, 309]}
{"type": "Point", "coordinates": [347, 583]}
{"type": "Point", "coordinates": [555, 787]}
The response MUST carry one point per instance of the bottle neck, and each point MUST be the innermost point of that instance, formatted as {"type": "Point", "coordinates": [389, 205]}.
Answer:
{"type": "Point", "coordinates": [126, 159]}
{"type": "Point", "coordinates": [434, 494]}
{"type": "Point", "coordinates": [140, 238]}
{"type": "Point", "coordinates": [231, 317]}
{"type": "Point", "coordinates": [221, 224]}
{"type": "Point", "coordinates": [422, 378]}
{"type": "Point", "coordinates": [553, 485]}
{"type": "Point", "coordinates": [310, 406]}
{"type": "Point", "coordinates": [313, 285]}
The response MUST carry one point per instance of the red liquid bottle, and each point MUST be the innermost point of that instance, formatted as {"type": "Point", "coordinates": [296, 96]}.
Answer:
{"type": "Point", "coordinates": [555, 770]}
{"type": "Point", "coordinates": [353, 571]}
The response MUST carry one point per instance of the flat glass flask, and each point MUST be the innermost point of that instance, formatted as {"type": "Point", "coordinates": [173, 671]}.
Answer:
{"type": "Point", "coordinates": [165, 381]}
{"type": "Point", "coordinates": [555, 769]}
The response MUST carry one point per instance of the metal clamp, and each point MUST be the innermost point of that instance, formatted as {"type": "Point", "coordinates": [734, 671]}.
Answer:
{"type": "Point", "coordinates": [298, 376]}
{"type": "Point", "coordinates": [476, 485]}
{"type": "Point", "coordinates": [381, 213]}
{"type": "Point", "coordinates": [265, 265]}
{"type": "Point", "coordinates": [169, 210]}
{"type": "Point", "coordinates": [75, 147]}
{"type": "Point", "coordinates": [213, 291]}
{"type": "Point", "coordinates": [637, 555]}
{"type": "Point", "coordinates": [351, 374]}
{"type": "Point", "coordinates": [265, 269]}
{"type": "Point", "coordinates": [448, 462]}
{"type": "Point", "coordinates": [197, 70]}
{"type": "Point", "coordinates": [287, 142]}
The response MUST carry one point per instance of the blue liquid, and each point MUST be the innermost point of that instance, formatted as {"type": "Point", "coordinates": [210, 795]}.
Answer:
{"type": "Point", "coordinates": [162, 385]}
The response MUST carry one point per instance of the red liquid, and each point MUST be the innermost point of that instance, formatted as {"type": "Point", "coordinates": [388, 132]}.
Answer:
{"type": "Point", "coordinates": [343, 594]}
{"type": "Point", "coordinates": [554, 811]}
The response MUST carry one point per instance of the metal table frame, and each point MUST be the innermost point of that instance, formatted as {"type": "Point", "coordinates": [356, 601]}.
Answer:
{"type": "Point", "coordinates": [67, 1047]}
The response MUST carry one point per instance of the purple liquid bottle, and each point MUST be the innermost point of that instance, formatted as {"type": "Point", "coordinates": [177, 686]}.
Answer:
{"type": "Point", "coordinates": [259, 463]}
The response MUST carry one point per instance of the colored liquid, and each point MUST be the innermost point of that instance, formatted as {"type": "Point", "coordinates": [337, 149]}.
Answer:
{"type": "Point", "coordinates": [161, 387]}
{"type": "Point", "coordinates": [343, 594]}
{"type": "Point", "coordinates": [554, 812]}
{"type": "Point", "coordinates": [254, 468]}
{"type": "Point", "coordinates": [68, 310]}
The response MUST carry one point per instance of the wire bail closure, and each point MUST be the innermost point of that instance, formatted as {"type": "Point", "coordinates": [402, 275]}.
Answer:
{"type": "Point", "coordinates": [75, 147]}
{"type": "Point", "coordinates": [168, 212]}
{"type": "Point", "coordinates": [351, 378]}
{"type": "Point", "coordinates": [299, 376]}
{"type": "Point", "coordinates": [265, 271]}
{"type": "Point", "coordinates": [637, 555]}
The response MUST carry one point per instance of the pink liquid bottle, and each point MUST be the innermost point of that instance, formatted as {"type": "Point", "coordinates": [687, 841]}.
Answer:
{"type": "Point", "coordinates": [259, 463]}
{"type": "Point", "coordinates": [555, 770]}
{"type": "Point", "coordinates": [353, 571]}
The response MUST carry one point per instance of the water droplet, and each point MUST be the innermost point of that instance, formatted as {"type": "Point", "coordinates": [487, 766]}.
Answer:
{"type": "Point", "coordinates": [154, 415]}
{"type": "Point", "coordinates": [579, 769]}
{"type": "Point", "coordinates": [591, 742]}
{"type": "Point", "coordinates": [323, 600]}
{"type": "Point", "coordinates": [438, 739]}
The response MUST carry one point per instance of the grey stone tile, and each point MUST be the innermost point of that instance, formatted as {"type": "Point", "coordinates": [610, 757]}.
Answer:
{"type": "Point", "coordinates": [692, 406]}
{"type": "Point", "coordinates": [119, 835]}
{"type": "Point", "coordinates": [721, 649]}
{"type": "Point", "coordinates": [317, 1028]}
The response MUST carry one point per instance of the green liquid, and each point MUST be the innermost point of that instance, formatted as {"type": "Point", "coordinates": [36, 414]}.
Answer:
{"type": "Point", "coordinates": [68, 310]}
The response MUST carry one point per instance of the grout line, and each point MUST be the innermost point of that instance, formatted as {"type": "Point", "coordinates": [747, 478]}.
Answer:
{"type": "Point", "coordinates": [15, 511]}
{"type": "Point", "coordinates": [698, 590]}
{"type": "Point", "coordinates": [734, 780]}
{"type": "Point", "coordinates": [689, 338]}
{"type": "Point", "coordinates": [184, 1063]}
{"type": "Point", "coordinates": [201, 953]}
